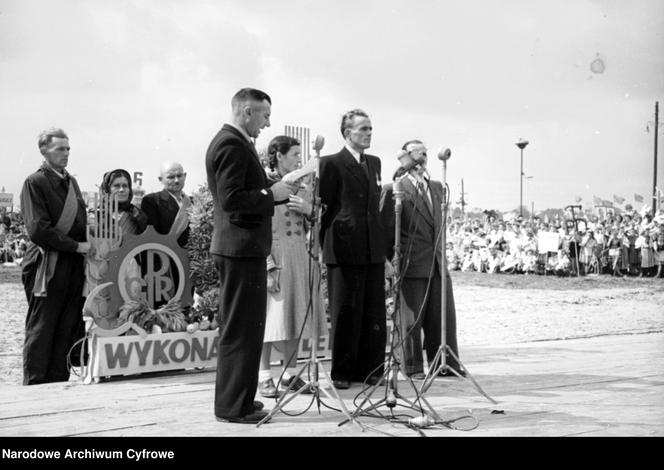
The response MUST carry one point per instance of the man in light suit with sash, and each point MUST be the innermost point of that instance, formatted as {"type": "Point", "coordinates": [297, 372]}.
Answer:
{"type": "Point", "coordinates": [53, 267]}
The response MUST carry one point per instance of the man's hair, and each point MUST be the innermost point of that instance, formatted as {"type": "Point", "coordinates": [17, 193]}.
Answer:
{"type": "Point", "coordinates": [47, 135]}
{"type": "Point", "coordinates": [414, 141]}
{"type": "Point", "coordinates": [347, 119]}
{"type": "Point", "coordinates": [246, 94]}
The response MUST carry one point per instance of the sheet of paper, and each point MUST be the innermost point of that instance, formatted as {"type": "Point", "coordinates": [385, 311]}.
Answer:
{"type": "Point", "coordinates": [310, 167]}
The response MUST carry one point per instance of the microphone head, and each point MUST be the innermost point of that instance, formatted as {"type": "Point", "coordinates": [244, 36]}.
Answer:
{"type": "Point", "coordinates": [444, 154]}
{"type": "Point", "coordinates": [319, 143]}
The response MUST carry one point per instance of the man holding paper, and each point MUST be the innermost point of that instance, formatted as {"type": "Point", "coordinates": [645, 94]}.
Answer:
{"type": "Point", "coordinates": [243, 208]}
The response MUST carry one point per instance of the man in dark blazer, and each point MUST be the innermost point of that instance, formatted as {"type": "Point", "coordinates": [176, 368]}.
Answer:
{"type": "Point", "coordinates": [354, 252]}
{"type": "Point", "coordinates": [243, 208]}
{"type": "Point", "coordinates": [421, 265]}
{"type": "Point", "coordinates": [169, 206]}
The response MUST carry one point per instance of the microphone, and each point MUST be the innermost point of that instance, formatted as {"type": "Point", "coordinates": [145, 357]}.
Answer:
{"type": "Point", "coordinates": [407, 163]}
{"type": "Point", "coordinates": [444, 154]}
{"type": "Point", "coordinates": [318, 144]}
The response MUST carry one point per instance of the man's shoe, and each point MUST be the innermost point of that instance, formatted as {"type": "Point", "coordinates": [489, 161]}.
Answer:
{"type": "Point", "coordinates": [252, 418]}
{"type": "Point", "coordinates": [298, 383]}
{"type": "Point", "coordinates": [418, 376]}
{"type": "Point", "coordinates": [267, 389]}
{"type": "Point", "coordinates": [341, 384]}
{"type": "Point", "coordinates": [258, 405]}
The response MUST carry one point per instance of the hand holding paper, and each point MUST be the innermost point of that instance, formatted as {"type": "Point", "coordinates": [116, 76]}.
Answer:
{"type": "Point", "coordinates": [310, 167]}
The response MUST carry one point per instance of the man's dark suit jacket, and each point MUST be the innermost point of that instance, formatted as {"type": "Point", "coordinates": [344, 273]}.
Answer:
{"type": "Point", "coordinates": [161, 210]}
{"type": "Point", "coordinates": [242, 213]}
{"type": "Point", "coordinates": [243, 208]}
{"type": "Point", "coordinates": [351, 231]}
{"type": "Point", "coordinates": [420, 228]}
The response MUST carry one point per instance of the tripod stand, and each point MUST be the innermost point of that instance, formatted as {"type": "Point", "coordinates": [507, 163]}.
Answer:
{"type": "Point", "coordinates": [390, 375]}
{"type": "Point", "coordinates": [439, 364]}
{"type": "Point", "coordinates": [313, 363]}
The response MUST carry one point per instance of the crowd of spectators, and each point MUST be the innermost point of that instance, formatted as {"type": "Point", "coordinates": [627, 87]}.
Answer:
{"type": "Point", "coordinates": [629, 244]}
{"type": "Point", "coordinates": [13, 238]}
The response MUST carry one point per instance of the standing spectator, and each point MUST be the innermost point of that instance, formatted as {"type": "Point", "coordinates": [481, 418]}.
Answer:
{"type": "Point", "coordinates": [658, 223]}
{"type": "Point", "coordinates": [633, 253]}
{"type": "Point", "coordinates": [647, 247]}
{"type": "Point", "coordinates": [354, 251]}
{"type": "Point", "coordinates": [53, 266]}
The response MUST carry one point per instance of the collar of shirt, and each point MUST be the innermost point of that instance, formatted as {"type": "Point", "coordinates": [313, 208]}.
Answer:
{"type": "Point", "coordinates": [179, 201]}
{"type": "Point", "coordinates": [356, 155]}
{"type": "Point", "coordinates": [242, 131]}
{"type": "Point", "coordinates": [62, 175]}
{"type": "Point", "coordinates": [415, 178]}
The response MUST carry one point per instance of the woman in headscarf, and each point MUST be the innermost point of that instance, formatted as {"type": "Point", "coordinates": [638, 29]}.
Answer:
{"type": "Point", "coordinates": [131, 218]}
{"type": "Point", "coordinates": [111, 223]}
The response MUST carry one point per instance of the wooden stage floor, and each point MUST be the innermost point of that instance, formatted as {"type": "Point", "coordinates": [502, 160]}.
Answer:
{"type": "Point", "coordinates": [600, 386]}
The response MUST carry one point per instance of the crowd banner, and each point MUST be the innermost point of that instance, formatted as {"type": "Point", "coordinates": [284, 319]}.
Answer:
{"type": "Point", "coordinates": [547, 242]}
{"type": "Point", "coordinates": [6, 200]}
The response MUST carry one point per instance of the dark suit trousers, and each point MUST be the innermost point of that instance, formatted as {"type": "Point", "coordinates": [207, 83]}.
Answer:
{"type": "Point", "coordinates": [414, 301]}
{"type": "Point", "coordinates": [357, 314]}
{"type": "Point", "coordinates": [242, 305]}
{"type": "Point", "coordinates": [53, 323]}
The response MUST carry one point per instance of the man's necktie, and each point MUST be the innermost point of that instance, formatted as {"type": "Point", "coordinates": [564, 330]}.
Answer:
{"type": "Point", "coordinates": [363, 164]}
{"type": "Point", "coordinates": [424, 195]}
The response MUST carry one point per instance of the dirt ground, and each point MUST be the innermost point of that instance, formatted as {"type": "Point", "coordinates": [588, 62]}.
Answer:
{"type": "Point", "coordinates": [491, 309]}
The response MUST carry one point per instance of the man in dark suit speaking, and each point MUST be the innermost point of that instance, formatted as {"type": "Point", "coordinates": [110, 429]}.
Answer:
{"type": "Point", "coordinates": [421, 265]}
{"type": "Point", "coordinates": [243, 208]}
{"type": "Point", "coordinates": [354, 252]}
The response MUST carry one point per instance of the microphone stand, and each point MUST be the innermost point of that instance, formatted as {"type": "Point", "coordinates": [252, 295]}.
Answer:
{"type": "Point", "coordinates": [313, 363]}
{"type": "Point", "coordinates": [390, 376]}
{"type": "Point", "coordinates": [439, 364]}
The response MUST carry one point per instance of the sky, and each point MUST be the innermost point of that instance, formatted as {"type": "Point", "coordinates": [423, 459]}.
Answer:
{"type": "Point", "coordinates": [137, 83]}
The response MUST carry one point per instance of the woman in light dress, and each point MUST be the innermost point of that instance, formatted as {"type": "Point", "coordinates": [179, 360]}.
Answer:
{"type": "Point", "coordinates": [293, 275]}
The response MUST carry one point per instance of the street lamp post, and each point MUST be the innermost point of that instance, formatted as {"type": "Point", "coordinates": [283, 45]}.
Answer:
{"type": "Point", "coordinates": [521, 144]}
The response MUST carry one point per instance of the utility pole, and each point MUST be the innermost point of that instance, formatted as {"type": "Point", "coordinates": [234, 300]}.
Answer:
{"type": "Point", "coordinates": [521, 144]}
{"type": "Point", "coordinates": [655, 196]}
{"type": "Point", "coordinates": [462, 201]}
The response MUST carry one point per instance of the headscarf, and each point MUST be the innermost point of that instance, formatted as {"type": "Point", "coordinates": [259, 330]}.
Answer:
{"type": "Point", "coordinates": [107, 181]}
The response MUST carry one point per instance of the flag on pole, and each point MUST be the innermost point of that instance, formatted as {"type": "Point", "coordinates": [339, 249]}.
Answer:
{"type": "Point", "coordinates": [597, 201]}
{"type": "Point", "coordinates": [606, 203]}
{"type": "Point", "coordinates": [638, 198]}
{"type": "Point", "coordinates": [618, 199]}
